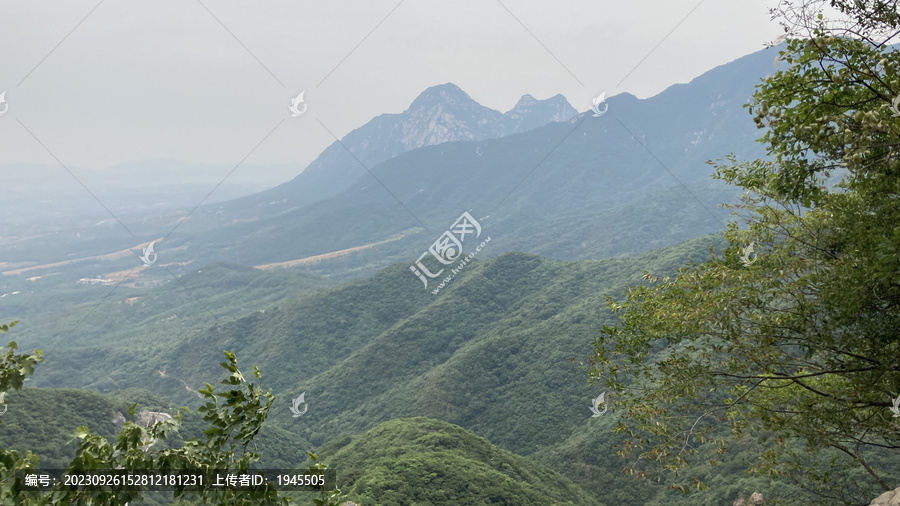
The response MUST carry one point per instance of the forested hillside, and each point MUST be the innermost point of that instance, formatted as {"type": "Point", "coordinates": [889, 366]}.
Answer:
{"type": "Point", "coordinates": [493, 354]}
{"type": "Point", "coordinates": [616, 339]}
{"type": "Point", "coordinates": [425, 461]}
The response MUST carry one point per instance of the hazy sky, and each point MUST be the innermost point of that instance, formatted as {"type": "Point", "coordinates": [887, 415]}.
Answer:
{"type": "Point", "coordinates": [207, 81]}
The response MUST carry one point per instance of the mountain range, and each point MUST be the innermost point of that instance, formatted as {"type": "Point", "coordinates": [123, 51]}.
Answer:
{"type": "Point", "coordinates": [576, 186]}
{"type": "Point", "coordinates": [311, 282]}
{"type": "Point", "coordinates": [441, 114]}
{"type": "Point", "coordinates": [554, 190]}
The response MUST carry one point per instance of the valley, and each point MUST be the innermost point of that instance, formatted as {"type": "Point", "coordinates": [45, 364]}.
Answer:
{"type": "Point", "coordinates": [330, 308]}
{"type": "Point", "coordinates": [653, 301]}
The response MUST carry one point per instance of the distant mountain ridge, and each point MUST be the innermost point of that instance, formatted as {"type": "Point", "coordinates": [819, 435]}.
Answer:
{"type": "Point", "coordinates": [444, 154]}
{"type": "Point", "coordinates": [440, 114]}
{"type": "Point", "coordinates": [446, 113]}
{"type": "Point", "coordinates": [631, 180]}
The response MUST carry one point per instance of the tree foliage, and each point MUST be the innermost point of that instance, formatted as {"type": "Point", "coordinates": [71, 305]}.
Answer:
{"type": "Point", "coordinates": [791, 336]}
{"type": "Point", "coordinates": [14, 368]}
{"type": "Point", "coordinates": [234, 415]}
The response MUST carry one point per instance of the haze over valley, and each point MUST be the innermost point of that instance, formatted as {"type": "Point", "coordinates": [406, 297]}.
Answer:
{"type": "Point", "coordinates": [523, 255]}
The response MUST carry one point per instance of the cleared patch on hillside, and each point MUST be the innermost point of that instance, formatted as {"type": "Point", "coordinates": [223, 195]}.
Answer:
{"type": "Point", "coordinates": [109, 256]}
{"type": "Point", "coordinates": [313, 260]}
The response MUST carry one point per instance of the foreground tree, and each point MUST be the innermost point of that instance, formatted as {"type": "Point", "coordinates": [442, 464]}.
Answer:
{"type": "Point", "coordinates": [14, 369]}
{"type": "Point", "coordinates": [234, 414]}
{"type": "Point", "coordinates": [791, 337]}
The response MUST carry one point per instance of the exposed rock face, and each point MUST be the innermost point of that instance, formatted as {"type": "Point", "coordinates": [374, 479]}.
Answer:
{"type": "Point", "coordinates": [889, 498]}
{"type": "Point", "coordinates": [145, 419]}
{"type": "Point", "coordinates": [150, 418]}
{"type": "Point", "coordinates": [755, 499]}
{"type": "Point", "coordinates": [440, 114]}
{"type": "Point", "coordinates": [446, 113]}
{"type": "Point", "coordinates": [531, 113]}
{"type": "Point", "coordinates": [118, 421]}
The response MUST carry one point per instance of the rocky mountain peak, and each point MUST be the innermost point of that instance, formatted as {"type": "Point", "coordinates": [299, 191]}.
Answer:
{"type": "Point", "coordinates": [525, 101]}
{"type": "Point", "coordinates": [447, 94]}
{"type": "Point", "coordinates": [440, 114]}
{"type": "Point", "coordinates": [531, 113]}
